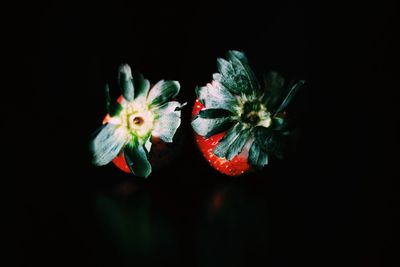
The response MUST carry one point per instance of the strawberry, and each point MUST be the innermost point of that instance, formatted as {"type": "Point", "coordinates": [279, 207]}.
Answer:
{"type": "Point", "coordinates": [238, 123]}
{"type": "Point", "coordinates": [141, 116]}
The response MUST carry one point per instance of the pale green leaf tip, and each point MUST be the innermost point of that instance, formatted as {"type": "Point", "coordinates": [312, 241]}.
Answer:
{"type": "Point", "coordinates": [125, 68]}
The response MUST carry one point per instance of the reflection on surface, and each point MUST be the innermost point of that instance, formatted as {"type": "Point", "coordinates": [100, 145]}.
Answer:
{"type": "Point", "coordinates": [136, 230]}
{"type": "Point", "coordinates": [216, 201]}
{"type": "Point", "coordinates": [235, 231]}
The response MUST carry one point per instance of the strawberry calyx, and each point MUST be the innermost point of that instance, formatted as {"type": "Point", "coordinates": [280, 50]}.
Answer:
{"type": "Point", "coordinates": [140, 115]}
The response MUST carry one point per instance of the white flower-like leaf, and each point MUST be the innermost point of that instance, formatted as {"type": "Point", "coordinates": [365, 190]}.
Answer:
{"type": "Point", "coordinates": [108, 143]}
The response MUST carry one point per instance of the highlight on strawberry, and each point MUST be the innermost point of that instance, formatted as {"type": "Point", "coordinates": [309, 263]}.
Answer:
{"type": "Point", "coordinates": [238, 122]}
{"type": "Point", "coordinates": [141, 115]}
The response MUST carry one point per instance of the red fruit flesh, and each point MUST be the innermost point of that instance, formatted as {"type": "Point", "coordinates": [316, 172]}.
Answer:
{"type": "Point", "coordinates": [120, 162]}
{"type": "Point", "coordinates": [237, 166]}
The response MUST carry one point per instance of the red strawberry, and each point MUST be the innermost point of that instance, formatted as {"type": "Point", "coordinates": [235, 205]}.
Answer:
{"type": "Point", "coordinates": [238, 123]}
{"type": "Point", "coordinates": [140, 118]}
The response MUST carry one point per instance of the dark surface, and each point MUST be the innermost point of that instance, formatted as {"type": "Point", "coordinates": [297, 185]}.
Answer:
{"type": "Point", "coordinates": [331, 202]}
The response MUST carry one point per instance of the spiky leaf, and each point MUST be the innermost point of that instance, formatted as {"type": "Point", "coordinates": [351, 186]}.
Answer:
{"type": "Point", "coordinates": [168, 107]}
{"type": "Point", "coordinates": [293, 90]}
{"type": "Point", "coordinates": [107, 143]}
{"type": "Point", "coordinates": [210, 127]}
{"type": "Point", "coordinates": [274, 87]}
{"type": "Point", "coordinates": [137, 160]}
{"type": "Point", "coordinates": [125, 82]}
{"type": "Point", "coordinates": [213, 113]}
{"type": "Point", "coordinates": [165, 126]}
{"type": "Point", "coordinates": [237, 146]}
{"type": "Point", "coordinates": [113, 107]}
{"type": "Point", "coordinates": [269, 141]}
{"type": "Point", "coordinates": [215, 95]}
{"type": "Point", "coordinates": [222, 148]}
{"type": "Point", "coordinates": [142, 85]}
{"type": "Point", "coordinates": [162, 92]}
{"type": "Point", "coordinates": [257, 156]}
{"type": "Point", "coordinates": [278, 124]}
{"type": "Point", "coordinates": [261, 134]}
{"type": "Point", "coordinates": [243, 70]}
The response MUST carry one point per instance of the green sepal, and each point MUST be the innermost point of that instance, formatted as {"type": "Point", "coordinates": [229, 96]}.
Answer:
{"type": "Point", "coordinates": [274, 87]}
{"type": "Point", "coordinates": [167, 125]}
{"type": "Point", "coordinates": [141, 85]}
{"type": "Point", "coordinates": [107, 143]}
{"type": "Point", "coordinates": [222, 148]}
{"type": "Point", "coordinates": [289, 96]}
{"type": "Point", "coordinates": [261, 134]}
{"type": "Point", "coordinates": [243, 71]}
{"type": "Point", "coordinates": [162, 92]}
{"type": "Point", "coordinates": [257, 156]}
{"type": "Point", "coordinates": [136, 157]}
{"type": "Point", "coordinates": [278, 124]}
{"type": "Point", "coordinates": [125, 82]}
{"type": "Point", "coordinates": [213, 113]}
{"type": "Point", "coordinates": [113, 107]}
{"type": "Point", "coordinates": [210, 127]}
{"type": "Point", "coordinates": [171, 106]}
{"type": "Point", "coordinates": [237, 146]}
{"type": "Point", "coordinates": [216, 96]}
{"type": "Point", "coordinates": [228, 76]}
{"type": "Point", "coordinates": [269, 141]}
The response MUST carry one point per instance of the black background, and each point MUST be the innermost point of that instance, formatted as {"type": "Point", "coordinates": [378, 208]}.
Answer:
{"type": "Point", "coordinates": [332, 201]}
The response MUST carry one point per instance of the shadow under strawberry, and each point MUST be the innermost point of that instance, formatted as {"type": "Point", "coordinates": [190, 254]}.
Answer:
{"type": "Point", "coordinates": [135, 230]}
{"type": "Point", "coordinates": [235, 229]}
